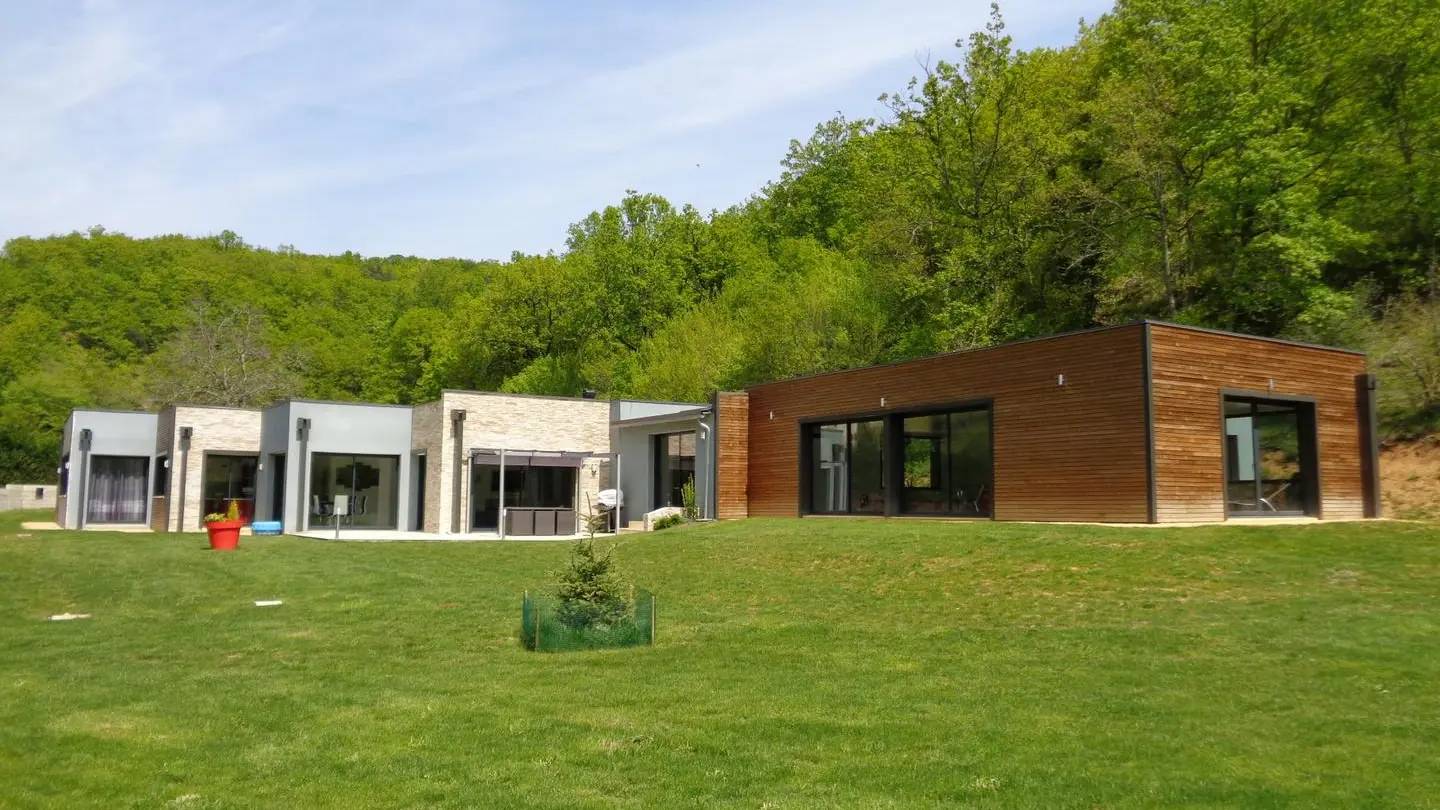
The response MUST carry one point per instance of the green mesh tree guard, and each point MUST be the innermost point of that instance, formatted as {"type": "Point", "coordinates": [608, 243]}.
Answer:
{"type": "Point", "coordinates": [542, 631]}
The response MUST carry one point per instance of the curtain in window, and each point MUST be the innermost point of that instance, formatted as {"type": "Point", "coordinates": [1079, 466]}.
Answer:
{"type": "Point", "coordinates": [117, 489]}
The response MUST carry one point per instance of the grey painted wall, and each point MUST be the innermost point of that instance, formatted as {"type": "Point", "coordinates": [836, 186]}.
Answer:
{"type": "Point", "coordinates": [113, 433]}
{"type": "Point", "coordinates": [623, 409]}
{"type": "Point", "coordinates": [277, 432]}
{"type": "Point", "coordinates": [359, 429]}
{"type": "Point", "coordinates": [635, 445]}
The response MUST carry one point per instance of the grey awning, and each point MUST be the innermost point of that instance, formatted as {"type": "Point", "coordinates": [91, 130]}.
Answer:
{"type": "Point", "coordinates": [529, 458]}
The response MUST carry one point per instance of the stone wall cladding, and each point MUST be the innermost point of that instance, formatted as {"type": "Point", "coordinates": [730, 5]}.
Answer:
{"type": "Point", "coordinates": [427, 432]}
{"type": "Point", "coordinates": [520, 423]}
{"type": "Point", "coordinates": [216, 430]}
{"type": "Point", "coordinates": [22, 496]}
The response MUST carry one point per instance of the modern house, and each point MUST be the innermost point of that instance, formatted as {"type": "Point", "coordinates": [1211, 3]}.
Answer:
{"type": "Point", "coordinates": [1140, 423]}
{"type": "Point", "coordinates": [437, 468]}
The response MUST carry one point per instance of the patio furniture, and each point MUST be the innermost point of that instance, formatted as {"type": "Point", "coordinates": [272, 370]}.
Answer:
{"type": "Point", "coordinates": [1269, 503]}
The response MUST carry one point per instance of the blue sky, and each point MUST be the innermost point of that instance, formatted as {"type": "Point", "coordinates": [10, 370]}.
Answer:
{"type": "Point", "coordinates": [435, 128]}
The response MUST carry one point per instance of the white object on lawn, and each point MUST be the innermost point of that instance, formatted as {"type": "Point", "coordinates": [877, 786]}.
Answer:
{"type": "Point", "coordinates": [65, 617]}
{"type": "Point", "coordinates": [656, 514]}
{"type": "Point", "coordinates": [267, 602]}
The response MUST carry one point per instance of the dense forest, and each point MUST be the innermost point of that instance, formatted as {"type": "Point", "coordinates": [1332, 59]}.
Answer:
{"type": "Point", "coordinates": [1267, 166]}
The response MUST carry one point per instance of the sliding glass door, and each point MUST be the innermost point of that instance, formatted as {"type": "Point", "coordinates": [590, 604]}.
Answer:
{"type": "Point", "coordinates": [674, 467]}
{"type": "Point", "coordinates": [847, 468]}
{"type": "Point", "coordinates": [947, 464]}
{"type": "Point", "coordinates": [117, 489]}
{"type": "Point", "coordinates": [1269, 455]}
{"type": "Point", "coordinates": [371, 485]}
{"type": "Point", "coordinates": [939, 463]}
{"type": "Point", "coordinates": [230, 479]}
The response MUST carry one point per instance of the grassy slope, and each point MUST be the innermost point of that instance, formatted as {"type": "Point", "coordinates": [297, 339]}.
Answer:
{"type": "Point", "coordinates": [801, 664]}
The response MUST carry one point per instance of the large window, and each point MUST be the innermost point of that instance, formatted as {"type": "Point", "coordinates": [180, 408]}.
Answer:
{"type": "Point", "coordinates": [117, 488]}
{"type": "Point", "coordinates": [674, 467]}
{"type": "Point", "coordinates": [947, 464]}
{"type": "Point", "coordinates": [939, 464]}
{"type": "Point", "coordinates": [227, 480]}
{"type": "Point", "coordinates": [526, 487]}
{"type": "Point", "coordinates": [370, 483]}
{"type": "Point", "coordinates": [1269, 457]}
{"type": "Point", "coordinates": [847, 468]}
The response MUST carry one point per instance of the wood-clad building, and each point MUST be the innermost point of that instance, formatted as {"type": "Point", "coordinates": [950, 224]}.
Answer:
{"type": "Point", "coordinates": [1146, 422]}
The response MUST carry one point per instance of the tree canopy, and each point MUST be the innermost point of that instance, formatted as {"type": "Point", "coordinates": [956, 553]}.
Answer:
{"type": "Point", "coordinates": [1267, 166]}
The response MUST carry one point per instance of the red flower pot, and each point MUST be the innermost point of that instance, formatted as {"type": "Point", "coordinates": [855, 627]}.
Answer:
{"type": "Point", "coordinates": [224, 534]}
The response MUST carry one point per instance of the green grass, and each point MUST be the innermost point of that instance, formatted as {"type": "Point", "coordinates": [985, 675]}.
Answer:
{"type": "Point", "coordinates": [800, 664]}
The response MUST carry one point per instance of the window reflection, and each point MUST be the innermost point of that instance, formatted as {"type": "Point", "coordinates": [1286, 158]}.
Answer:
{"type": "Point", "coordinates": [847, 468]}
{"type": "Point", "coordinates": [947, 464]}
{"type": "Point", "coordinates": [1265, 457]}
{"type": "Point", "coordinates": [943, 464]}
{"type": "Point", "coordinates": [371, 485]}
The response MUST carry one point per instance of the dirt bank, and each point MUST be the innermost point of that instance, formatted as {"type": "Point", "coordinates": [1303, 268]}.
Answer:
{"type": "Point", "coordinates": [1410, 478]}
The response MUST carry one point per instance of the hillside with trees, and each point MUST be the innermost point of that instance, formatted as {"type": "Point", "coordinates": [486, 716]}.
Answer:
{"type": "Point", "coordinates": [1266, 166]}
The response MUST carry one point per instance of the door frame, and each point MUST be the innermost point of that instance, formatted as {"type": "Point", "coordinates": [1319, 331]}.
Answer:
{"type": "Point", "coordinates": [1308, 427]}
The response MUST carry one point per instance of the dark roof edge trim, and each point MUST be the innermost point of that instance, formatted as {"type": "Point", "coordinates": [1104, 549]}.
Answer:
{"type": "Point", "coordinates": [1282, 341]}
{"type": "Point", "coordinates": [1057, 336]}
{"type": "Point", "coordinates": [956, 353]}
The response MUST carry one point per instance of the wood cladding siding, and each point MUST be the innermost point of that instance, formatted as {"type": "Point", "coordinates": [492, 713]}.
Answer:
{"type": "Point", "coordinates": [732, 452]}
{"type": "Point", "coordinates": [1191, 368]}
{"type": "Point", "coordinates": [1075, 451]}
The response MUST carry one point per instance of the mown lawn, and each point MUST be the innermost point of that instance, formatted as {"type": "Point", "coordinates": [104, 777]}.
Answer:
{"type": "Point", "coordinates": [801, 664]}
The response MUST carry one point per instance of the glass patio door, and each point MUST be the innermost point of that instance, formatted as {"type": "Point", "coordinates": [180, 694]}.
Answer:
{"type": "Point", "coordinates": [1270, 461]}
{"type": "Point", "coordinates": [370, 484]}
{"type": "Point", "coordinates": [117, 489]}
{"type": "Point", "coordinates": [230, 479]}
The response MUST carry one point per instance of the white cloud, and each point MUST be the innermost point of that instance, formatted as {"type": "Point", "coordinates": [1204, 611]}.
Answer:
{"type": "Point", "coordinates": [433, 127]}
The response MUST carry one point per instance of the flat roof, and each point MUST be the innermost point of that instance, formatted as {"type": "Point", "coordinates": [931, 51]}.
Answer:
{"type": "Point", "coordinates": [353, 403]}
{"type": "Point", "coordinates": [661, 418]}
{"type": "Point", "coordinates": [523, 396]}
{"type": "Point", "coordinates": [179, 405]}
{"type": "Point", "coordinates": [1057, 336]}
{"type": "Point", "coordinates": [659, 402]}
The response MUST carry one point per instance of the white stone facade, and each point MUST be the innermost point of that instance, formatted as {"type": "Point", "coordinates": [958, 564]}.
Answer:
{"type": "Point", "coordinates": [28, 496]}
{"type": "Point", "coordinates": [511, 422]}
{"type": "Point", "coordinates": [223, 431]}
